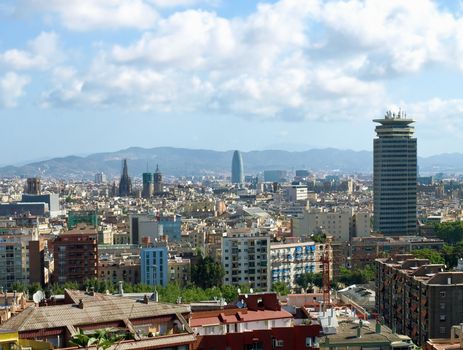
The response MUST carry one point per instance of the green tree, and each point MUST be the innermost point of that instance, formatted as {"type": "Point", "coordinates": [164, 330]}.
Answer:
{"type": "Point", "coordinates": [310, 278]}
{"type": "Point", "coordinates": [450, 232]}
{"type": "Point", "coordinates": [229, 293]}
{"type": "Point", "coordinates": [280, 288]}
{"type": "Point", "coordinates": [356, 276]}
{"type": "Point", "coordinates": [207, 273]}
{"type": "Point", "coordinates": [433, 256]}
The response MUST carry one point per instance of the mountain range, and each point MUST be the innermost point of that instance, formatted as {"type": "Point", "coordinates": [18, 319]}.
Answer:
{"type": "Point", "coordinates": [187, 162]}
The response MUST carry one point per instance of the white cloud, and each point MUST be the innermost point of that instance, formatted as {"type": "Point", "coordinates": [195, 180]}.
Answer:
{"type": "Point", "coordinates": [83, 15]}
{"type": "Point", "coordinates": [290, 60]}
{"type": "Point", "coordinates": [12, 88]}
{"type": "Point", "coordinates": [175, 3]}
{"type": "Point", "coordinates": [41, 53]}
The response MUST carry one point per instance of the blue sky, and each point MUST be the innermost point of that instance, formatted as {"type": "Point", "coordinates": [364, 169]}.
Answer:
{"type": "Point", "coordinates": [83, 76]}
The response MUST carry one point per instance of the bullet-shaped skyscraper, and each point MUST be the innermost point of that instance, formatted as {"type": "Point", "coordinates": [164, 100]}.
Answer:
{"type": "Point", "coordinates": [395, 175]}
{"type": "Point", "coordinates": [237, 168]}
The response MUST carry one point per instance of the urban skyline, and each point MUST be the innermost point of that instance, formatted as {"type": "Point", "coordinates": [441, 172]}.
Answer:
{"type": "Point", "coordinates": [70, 69]}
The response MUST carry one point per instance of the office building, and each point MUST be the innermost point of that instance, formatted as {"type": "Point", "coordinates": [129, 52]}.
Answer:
{"type": "Point", "coordinates": [51, 199]}
{"type": "Point", "coordinates": [33, 185]}
{"type": "Point", "coordinates": [76, 255]}
{"type": "Point", "coordinates": [171, 226]}
{"type": "Point", "coordinates": [275, 176]}
{"type": "Point", "coordinates": [100, 178]}
{"type": "Point", "coordinates": [295, 193]}
{"type": "Point", "coordinates": [395, 176]}
{"type": "Point", "coordinates": [157, 181]}
{"type": "Point", "coordinates": [237, 168]}
{"type": "Point", "coordinates": [245, 258]}
{"type": "Point", "coordinates": [144, 228]}
{"type": "Point", "coordinates": [154, 266]}
{"type": "Point", "coordinates": [125, 183]}
{"type": "Point", "coordinates": [148, 185]}
{"type": "Point", "coordinates": [417, 298]}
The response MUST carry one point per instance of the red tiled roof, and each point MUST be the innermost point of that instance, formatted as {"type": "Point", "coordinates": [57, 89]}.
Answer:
{"type": "Point", "coordinates": [247, 316]}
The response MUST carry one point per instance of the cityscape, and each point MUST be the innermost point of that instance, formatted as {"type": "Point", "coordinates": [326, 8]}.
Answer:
{"type": "Point", "coordinates": [278, 185]}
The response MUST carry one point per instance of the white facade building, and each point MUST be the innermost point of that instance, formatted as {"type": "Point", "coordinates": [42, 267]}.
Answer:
{"type": "Point", "coordinates": [289, 261]}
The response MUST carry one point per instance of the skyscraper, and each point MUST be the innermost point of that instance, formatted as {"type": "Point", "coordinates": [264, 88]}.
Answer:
{"type": "Point", "coordinates": [157, 177]}
{"type": "Point", "coordinates": [394, 175]}
{"type": "Point", "coordinates": [148, 185]}
{"type": "Point", "coordinates": [125, 184]}
{"type": "Point", "coordinates": [237, 168]}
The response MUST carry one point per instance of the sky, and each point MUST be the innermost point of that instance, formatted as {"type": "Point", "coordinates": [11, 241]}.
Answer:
{"type": "Point", "coordinates": [85, 76]}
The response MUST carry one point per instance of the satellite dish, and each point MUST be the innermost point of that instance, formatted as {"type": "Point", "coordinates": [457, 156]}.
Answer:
{"type": "Point", "coordinates": [38, 296]}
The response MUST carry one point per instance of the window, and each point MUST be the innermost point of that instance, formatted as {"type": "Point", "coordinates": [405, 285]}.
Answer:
{"type": "Point", "coordinates": [442, 330]}
{"type": "Point", "coordinates": [442, 294]}
{"type": "Point", "coordinates": [442, 306]}
{"type": "Point", "coordinates": [442, 317]}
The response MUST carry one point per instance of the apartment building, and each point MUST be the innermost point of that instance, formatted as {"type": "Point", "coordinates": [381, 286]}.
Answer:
{"type": "Point", "coordinates": [417, 298]}
{"type": "Point", "coordinates": [290, 260]}
{"type": "Point", "coordinates": [76, 255]}
{"type": "Point", "coordinates": [245, 257]}
{"type": "Point", "coordinates": [341, 223]}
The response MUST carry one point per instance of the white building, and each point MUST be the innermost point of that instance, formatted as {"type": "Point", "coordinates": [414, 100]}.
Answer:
{"type": "Point", "coordinates": [245, 258]}
{"type": "Point", "coordinates": [295, 193]}
{"type": "Point", "coordinates": [289, 261]}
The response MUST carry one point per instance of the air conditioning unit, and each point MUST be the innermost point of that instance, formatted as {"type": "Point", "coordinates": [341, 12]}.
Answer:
{"type": "Point", "coordinates": [278, 343]}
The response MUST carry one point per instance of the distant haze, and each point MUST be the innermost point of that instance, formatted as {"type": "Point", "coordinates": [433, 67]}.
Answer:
{"type": "Point", "coordinates": [183, 162]}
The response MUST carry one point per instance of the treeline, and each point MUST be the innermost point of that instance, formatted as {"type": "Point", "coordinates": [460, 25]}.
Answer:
{"type": "Point", "coordinates": [168, 294]}
{"type": "Point", "coordinates": [448, 255]}
{"type": "Point", "coordinates": [346, 277]}
{"type": "Point", "coordinates": [449, 232]}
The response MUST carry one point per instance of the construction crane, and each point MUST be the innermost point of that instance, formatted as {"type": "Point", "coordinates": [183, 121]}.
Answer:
{"type": "Point", "coordinates": [326, 277]}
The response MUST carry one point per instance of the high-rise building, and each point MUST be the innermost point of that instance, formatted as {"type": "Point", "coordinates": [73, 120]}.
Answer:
{"type": "Point", "coordinates": [125, 184]}
{"type": "Point", "coordinates": [157, 181]}
{"type": "Point", "coordinates": [154, 266]}
{"type": "Point", "coordinates": [100, 178]}
{"type": "Point", "coordinates": [33, 185]}
{"type": "Point", "coordinates": [76, 255]}
{"type": "Point", "coordinates": [395, 175]}
{"type": "Point", "coordinates": [148, 185]}
{"type": "Point", "coordinates": [237, 168]}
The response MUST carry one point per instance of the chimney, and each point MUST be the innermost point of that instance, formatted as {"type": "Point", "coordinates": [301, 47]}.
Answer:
{"type": "Point", "coordinates": [155, 296]}
{"type": "Point", "coordinates": [121, 288]}
{"type": "Point", "coordinates": [449, 280]}
{"type": "Point", "coordinates": [378, 327]}
{"type": "Point", "coordinates": [81, 304]}
{"type": "Point", "coordinates": [92, 291]}
{"type": "Point", "coordinates": [359, 329]}
{"type": "Point", "coordinates": [145, 299]}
